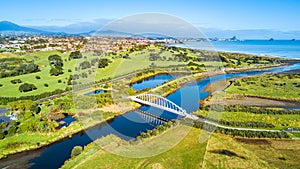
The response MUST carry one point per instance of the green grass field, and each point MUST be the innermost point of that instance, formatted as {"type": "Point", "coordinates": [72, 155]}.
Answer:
{"type": "Point", "coordinates": [285, 87]}
{"type": "Point", "coordinates": [279, 121]}
{"type": "Point", "coordinates": [119, 66]}
{"type": "Point", "coordinates": [251, 153]}
{"type": "Point", "coordinates": [137, 60]}
{"type": "Point", "coordinates": [190, 153]}
{"type": "Point", "coordinates": [8, 89]}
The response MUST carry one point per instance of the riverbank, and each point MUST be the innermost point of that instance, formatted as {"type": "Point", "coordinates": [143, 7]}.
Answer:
{"type": "Point", "coordinates": [33, 141]}
{"type": "Point", "coordinates": [39, 140]}
{"type": "Point", "coordinates": [163, 90]}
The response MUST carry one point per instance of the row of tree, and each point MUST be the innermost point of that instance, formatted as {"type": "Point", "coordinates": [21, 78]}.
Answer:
{"type": "Point", "coordinates": [5, 100]}
{"type": "Point", "coordinates": [258, 110]}
{"type": "Point", "coordinates": [241, 133]}
{"type": "Point", "coordinates": [7, 70]}
{"type": "Point", "coordinates": [251, 124]}
{"type": "Point", "coordinates": [158, 129]}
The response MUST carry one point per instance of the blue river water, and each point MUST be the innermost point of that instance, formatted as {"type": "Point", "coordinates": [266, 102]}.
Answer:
{"type": "Point", "coordinates": [126, 126]}
{"type": "Point", "coordinates": [67, 121]}
{"type": "Point", "coordinates": [153, 81]}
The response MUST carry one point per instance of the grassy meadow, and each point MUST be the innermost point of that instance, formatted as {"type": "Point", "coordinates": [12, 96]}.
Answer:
{"type": "Point", "coordinates": [150, 57]}
{"type": "Point", "coordinates": [285, 87]}
{"type": "Point", "coordinates": [219, 151]}
{"type": "Point", "coordinates": [280, 121]}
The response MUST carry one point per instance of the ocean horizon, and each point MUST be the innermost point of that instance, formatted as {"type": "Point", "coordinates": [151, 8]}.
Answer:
{"type": "Point", "coordinates": [289, 49]}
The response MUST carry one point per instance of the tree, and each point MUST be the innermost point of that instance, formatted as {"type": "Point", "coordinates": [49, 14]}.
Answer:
{"type": "Point", "coordinates": [35, 108]}
{"type": "Point", "coordinates": [31, 67]}
{"type": "Point", "coordinates": [103, 63]}
{"type": "Point", "coordinates": [55, 71]}
{"type": "Point", "coordinates": [76, 151]}
{"type": "Point", "coordinates": [55, 60]}
{"type": "Point", "coordinates": [85, 65]}
{"type": "Point", "coordinates": [26, 87]}
{"type": "Point", "coordinates": [75, 55]}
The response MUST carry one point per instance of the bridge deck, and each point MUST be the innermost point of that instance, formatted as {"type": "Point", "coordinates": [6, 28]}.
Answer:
{"type": "Point", "coordinates": [178, 111]}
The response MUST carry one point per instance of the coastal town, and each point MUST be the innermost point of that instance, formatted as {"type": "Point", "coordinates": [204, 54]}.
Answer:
{"type": "Point", "coordinates": [149, 84]}
{"type": "Point", "coordinates": [103, 44]}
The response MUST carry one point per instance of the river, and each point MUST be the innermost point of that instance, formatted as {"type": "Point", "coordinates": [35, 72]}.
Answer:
{"type": "Point", "coordinates": [126, 126]}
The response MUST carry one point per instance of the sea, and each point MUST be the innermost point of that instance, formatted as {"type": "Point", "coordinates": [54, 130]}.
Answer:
{"type": "Point", "coordinates": [278, 48]}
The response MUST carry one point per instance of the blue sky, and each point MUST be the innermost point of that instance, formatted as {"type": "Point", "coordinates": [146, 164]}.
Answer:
{"type": "Point", "coordinates": [223, 14]}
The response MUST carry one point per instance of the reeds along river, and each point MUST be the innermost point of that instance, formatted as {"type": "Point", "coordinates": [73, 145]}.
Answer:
{"type": "Point", "coordinates": [126, 126]}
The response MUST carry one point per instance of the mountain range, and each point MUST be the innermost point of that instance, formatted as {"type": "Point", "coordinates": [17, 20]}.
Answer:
{"type": "Point", "coordinates": [88, 28]}
{"type": "Point", "coordinates": [7, 27]}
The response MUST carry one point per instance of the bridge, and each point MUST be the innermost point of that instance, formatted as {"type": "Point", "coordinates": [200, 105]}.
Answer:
{"type": "Point", "coordinates": [150, 118]}
{"type": "Point", "coordinates": [161, 103]}
{"type": "Point", "coordinates": [153, 116]}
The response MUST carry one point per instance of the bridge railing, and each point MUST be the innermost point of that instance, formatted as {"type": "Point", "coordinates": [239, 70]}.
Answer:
{"type": "Point", "coordinates": [160, 102]}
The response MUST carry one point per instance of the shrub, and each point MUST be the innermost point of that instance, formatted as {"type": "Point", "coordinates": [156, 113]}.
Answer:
{"type": "Point", "coordinates": [35, 108]}
{"type": "Point", "coordinates": [3, 125]}
{"type": "Point", "coordinates": [76, 151]}
{"type": "Point", "coordinates": [2, 135]}
{"type": "Point", "coordinates": [1, 85]}
{"type": "Point", "coordinates": [37, 77]}
{"type": "Point", "coordinates": [46, 85]}
{"type": "Point", "coordinates": [59, 81]}
{"type": "Point", "coordinates": [263, 85]}
{"type": "Point", "coordinates": [15, 81]}
{"type": "Point", "coordinates": [12, 130]}
{"type": "Point", "coordinates": [69, 70]}
{"type": "Point", "coordinates": [84, 75]}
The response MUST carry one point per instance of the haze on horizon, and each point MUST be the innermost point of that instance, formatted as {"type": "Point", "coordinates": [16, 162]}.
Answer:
{"type": "Point", "coordinates": [211, 16]}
